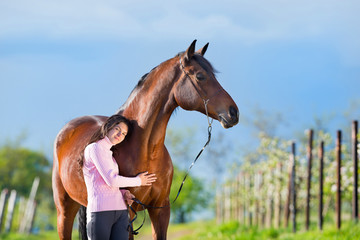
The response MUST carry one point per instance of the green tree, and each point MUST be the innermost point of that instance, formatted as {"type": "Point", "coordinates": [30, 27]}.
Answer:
{"type": "Point", "coordinates": [18, 168]}
{"type": "Point", "coordinates": [194, 195]}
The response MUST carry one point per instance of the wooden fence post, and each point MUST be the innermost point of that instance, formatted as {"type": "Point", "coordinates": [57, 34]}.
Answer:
{"type": "Point", "coordinates": [250, 210]}
{"type": "Point", "coordinates": [288, 197]}
{"type": "Point", "coordinates": [218, 207]}
{"type": "Point", "coordinates": [10, 211]}
{"type": "Point", "coordinates": [231, 200]}
{"type": "Point", "coordinates": [26, 221]}
{"type": "Point", "coordinates": [269, 200]}
{"type": "Point", "coordinates": [354, 133]}
{"type": "Point", "coordinates": [293, 190]}
{"type": "Point", "coordinates": [234, 200]}
{"type": "Point", "coordinates": [241, 198]}
{"type": "Point", "coordinates": [244, 198]}
{"type": "Point", "coordinates": [31, 218]}
{"type": "Point", "coordinates": [277, 207]}
{"type": "Point", "coordinates": [3, 195]}
{"type": "Point", "coordinates": [22, 209]}
{"type": "Point", "coordinates": [309, 156]}
{"type": "Point", "coordinates": [247, 197]}
{"type": "Point", "coordinates": [321, 184]}
{"type": "Point", "coordinates": [338, 174]}
{"type": "Point", "coordinates": [227, 204]}
{"type": "Point", "coordinates": [257, 215]}
{"type": "Point", "coordinates": [262, 199]}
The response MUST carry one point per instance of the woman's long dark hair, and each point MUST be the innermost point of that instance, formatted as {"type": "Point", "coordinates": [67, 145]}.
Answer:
{"type": "Point", "coordinates": [110, 124]}
{"type": "Point", "coordinates": [104, 130]}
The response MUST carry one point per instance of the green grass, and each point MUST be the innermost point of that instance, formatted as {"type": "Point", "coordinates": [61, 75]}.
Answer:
{"type": "Point", "coordinates": [209, 230]}
{"type": "Point", "coordinates": [233, 231]}
{"type": "Point", "coordinates": [46, 235]}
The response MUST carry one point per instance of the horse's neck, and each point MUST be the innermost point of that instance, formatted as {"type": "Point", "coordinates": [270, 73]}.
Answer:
{"type": "Point", "coordinates": [152, 104]}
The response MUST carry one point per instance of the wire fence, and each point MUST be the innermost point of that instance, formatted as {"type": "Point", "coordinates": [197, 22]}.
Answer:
{"type": "Point", "coordinates": [272, 196]}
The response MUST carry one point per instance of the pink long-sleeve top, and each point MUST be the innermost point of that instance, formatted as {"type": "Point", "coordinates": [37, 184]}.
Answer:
{"type": "Point", "coordinates": [102, 178]}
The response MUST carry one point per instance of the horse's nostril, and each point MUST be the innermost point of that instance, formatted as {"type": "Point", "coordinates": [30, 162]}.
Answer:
{"type": "Point", "coordinates": [233, 112]}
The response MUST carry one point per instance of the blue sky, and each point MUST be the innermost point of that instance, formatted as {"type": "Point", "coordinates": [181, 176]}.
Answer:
{"type": "Point", "coordinates": [64, 59]}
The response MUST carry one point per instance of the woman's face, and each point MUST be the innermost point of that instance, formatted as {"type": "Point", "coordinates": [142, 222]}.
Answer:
{"type": "Point", "coordinates": [117, 134]}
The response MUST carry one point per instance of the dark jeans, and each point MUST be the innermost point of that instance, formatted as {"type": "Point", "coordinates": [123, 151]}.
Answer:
{"type": "Point", "coordinates": [108, 225]}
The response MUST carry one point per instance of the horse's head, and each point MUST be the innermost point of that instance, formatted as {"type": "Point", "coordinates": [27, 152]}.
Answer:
{"type": "Point", "coordinates": [198, 88]}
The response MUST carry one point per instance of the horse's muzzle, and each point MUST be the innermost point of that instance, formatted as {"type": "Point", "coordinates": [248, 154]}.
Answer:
{"type": "Point", "coordinates": [229, 119]}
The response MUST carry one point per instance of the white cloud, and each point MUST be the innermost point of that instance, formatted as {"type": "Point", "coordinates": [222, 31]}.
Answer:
{"type": "Point", "coordinates": [248, 22]}
{"type": "Point", "coordinates": [260, 19]}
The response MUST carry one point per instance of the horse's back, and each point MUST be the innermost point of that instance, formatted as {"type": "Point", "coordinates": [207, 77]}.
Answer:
{"type": "Point", "coordinates": [68, 153]}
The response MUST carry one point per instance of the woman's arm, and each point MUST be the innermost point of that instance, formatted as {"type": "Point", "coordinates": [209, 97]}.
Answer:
{"type": "Point", "coordinates": [106, 170]}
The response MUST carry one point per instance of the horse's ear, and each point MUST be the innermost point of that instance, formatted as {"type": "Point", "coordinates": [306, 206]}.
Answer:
{"type": "Point", "coordinates": [202, 51]}
{"type": "Point", "coordinates": [190, 51]}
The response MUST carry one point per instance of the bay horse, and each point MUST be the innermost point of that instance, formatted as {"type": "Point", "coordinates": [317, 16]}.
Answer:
{"type": "Point", "coordinates": [186, 80]}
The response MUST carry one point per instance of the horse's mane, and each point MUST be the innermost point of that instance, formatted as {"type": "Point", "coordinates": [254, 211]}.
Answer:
{"type": "Point", "coordinates": [142, 79]}
{"type": "Point", "coordinates": [137, 86]}
{"type": "Point", "coordinates": [204, 63]}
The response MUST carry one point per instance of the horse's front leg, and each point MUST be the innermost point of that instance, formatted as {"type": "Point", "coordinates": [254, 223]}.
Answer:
{"type": "Point", "coordinates": [159, 222]}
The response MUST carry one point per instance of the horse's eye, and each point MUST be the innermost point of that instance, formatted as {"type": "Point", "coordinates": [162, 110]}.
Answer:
{"type": "Point", "coordinates": [200, 77]}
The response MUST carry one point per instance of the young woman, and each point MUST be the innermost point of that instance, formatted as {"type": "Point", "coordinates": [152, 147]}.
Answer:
{"type": "Point", "coordinates": [107, 215]}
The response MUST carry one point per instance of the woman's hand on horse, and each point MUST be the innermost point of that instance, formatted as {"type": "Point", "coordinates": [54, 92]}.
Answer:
{"type": "Point", "coordinates": [147, 178]}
